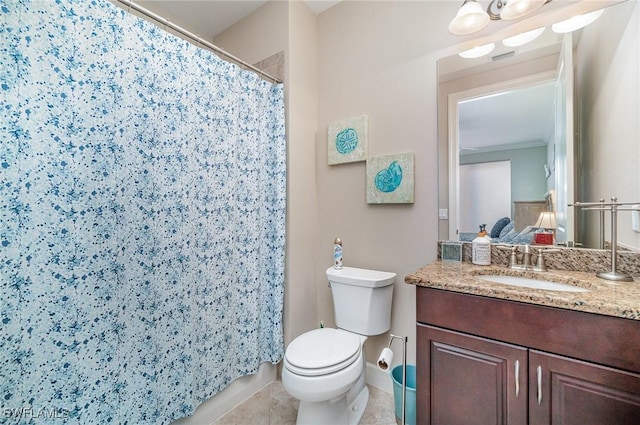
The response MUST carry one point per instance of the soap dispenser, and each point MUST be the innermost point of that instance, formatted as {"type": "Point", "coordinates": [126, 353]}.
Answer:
{"type": "Point", "coordinates": [481, 248]}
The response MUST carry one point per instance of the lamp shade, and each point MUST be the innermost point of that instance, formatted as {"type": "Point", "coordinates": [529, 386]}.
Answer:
{"type": "Point", "coordinates": [470, 18]}
{"type": "Point", "coordinates": [546, 220]}
{"type": "Point", "coordinates": [515, 9]}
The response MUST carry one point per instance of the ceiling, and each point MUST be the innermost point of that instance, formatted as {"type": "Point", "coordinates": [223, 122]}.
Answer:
{"type": "Point", "coordinates": [208, 18]}
{"type": "Point", "coordinates": [518, 118]}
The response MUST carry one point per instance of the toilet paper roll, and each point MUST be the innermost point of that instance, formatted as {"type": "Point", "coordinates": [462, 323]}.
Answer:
{"type": "Point", "coordinates": [385, 359]}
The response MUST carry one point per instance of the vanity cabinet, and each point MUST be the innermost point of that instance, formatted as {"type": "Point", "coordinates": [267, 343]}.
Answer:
{"type": "Point", "coordinates": [487, 361]}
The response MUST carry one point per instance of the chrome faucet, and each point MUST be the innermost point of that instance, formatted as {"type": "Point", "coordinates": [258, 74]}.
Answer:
{"type": "Point", "coordinates": [513, 258]}
{"type": "Point", "coordinates": [526, 264]}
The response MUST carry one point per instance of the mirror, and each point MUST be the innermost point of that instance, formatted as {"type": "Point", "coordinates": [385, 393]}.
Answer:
{"type": "Point", "coordinates": [605, 119]}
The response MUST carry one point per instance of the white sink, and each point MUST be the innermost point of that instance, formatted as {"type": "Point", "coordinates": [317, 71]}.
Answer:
{"type": "Point", "coordinates": [531, 283]}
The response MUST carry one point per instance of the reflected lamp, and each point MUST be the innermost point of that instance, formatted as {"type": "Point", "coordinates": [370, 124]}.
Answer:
{"type": "Point", "coordinates": [546, 225]}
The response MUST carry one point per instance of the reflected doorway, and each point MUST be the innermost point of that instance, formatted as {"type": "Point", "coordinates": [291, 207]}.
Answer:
{"type": "Point", "coordinates": [485, 194]}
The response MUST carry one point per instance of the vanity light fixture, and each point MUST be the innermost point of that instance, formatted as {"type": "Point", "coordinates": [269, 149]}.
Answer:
{"type": "Point", "coordinates": [515, 41]}
{"type": "Point", "coordinates": [478, 51]}
{"type": "Point", "coordinates": [576, 22]}
{"type": "Point", "coordinates": [523, 38]}
{"type": "Point", "coordinates": [472, 18]}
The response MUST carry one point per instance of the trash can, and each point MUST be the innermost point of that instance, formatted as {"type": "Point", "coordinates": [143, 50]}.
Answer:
{"type": "Point", "coordinates": [410, 398]}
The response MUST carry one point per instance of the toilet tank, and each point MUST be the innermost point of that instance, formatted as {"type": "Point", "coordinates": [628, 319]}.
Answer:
{"type": "Point", "coordinates": [362, 299]}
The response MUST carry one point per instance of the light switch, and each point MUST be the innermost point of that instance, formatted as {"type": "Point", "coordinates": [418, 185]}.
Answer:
{"type": "Point", "coordinates": [443, 214]}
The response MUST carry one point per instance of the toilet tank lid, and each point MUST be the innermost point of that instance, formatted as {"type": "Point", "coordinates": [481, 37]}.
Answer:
{"type": "Point", "coordinates": [360, 277]}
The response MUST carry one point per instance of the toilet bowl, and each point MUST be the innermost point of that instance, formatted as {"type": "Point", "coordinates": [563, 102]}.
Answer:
{"type": "Point", "coordinates": [325, 368]}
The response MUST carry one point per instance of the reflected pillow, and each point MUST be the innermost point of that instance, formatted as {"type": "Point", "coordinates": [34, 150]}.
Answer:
{"type": "Point", "coordinates": [525, 236]}
{"type": "Point", "coordinates": [497, 228]}
{"type": "Point", "coordinates": [507, 229]}
{"type": "Point", "coordinates": [509, 237]}
{"type": "Point", "coordinates": [520, 238]}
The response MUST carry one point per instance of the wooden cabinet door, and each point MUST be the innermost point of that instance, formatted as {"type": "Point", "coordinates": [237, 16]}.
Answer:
{"type": "Point", "coordinates": [564, 391]}
{"type": "Point", "coordinates": [467, 380]}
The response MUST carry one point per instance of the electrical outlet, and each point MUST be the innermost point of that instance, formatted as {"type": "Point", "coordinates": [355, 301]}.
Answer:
{"type": "Point", "coordinates": [443, 214]}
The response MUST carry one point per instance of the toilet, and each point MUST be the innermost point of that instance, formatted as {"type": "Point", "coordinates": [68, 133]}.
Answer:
{"type": "Point", "coordinates": [325, 368]}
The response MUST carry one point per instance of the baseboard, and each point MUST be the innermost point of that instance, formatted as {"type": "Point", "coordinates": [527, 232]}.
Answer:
{"type": "Point", "coordinates": [379, 378]}
{"type": "Point", "coordinates": [237, 392]}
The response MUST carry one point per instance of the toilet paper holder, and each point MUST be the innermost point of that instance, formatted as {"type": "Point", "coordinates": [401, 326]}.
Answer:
{"type": "Point", "coordinates": [384, 362]}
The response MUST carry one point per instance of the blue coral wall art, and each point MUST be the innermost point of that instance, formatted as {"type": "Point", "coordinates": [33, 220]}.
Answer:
{"type": "Point", "coordinates": [347, 140]}
{"type": "Point", "coordinates": [390, 179]}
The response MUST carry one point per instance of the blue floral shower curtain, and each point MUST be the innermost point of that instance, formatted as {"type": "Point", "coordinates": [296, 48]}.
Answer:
{"type": "Point", "coordinates": [142, 217]}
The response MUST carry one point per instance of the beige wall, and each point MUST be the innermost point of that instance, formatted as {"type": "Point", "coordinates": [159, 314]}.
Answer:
{"type": "Point", "coordinates": [302, 304]}
{"type": "Point", "coordinates": [360, 57]}
{"type": "Point", "coordinates": [369, 58]}
{"type": "Point", "coordinates": [608, 66]}
{"type": "Point", "coordinates": [376, 58]}
{"type": "Point", "coordinates": [259, 35]}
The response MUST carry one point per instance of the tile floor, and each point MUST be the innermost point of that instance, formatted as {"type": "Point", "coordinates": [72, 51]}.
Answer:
{"type": "Point", "coordinates": [273, 406]}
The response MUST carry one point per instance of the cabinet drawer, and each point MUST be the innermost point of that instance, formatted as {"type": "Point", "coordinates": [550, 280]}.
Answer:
{"type": "Point", "coordinates": [595, 338]}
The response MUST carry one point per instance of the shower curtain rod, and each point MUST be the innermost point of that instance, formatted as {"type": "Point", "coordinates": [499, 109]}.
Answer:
{"type": "Point", "coordinates": [196, 38]}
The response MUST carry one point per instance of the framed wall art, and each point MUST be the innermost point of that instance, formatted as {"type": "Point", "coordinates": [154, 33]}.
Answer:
{"type": "Point", "coordinates": [347, 140]}
{"type": "Point", "coordinates": [390, 179]}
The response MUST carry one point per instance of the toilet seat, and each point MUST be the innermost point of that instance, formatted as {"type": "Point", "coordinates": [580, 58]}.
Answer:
{"type": "Point", "coordinates": [322, 351]}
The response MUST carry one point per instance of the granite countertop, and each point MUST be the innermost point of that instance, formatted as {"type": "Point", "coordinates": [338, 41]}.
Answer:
{"type": "Point", "coordinates": [619, 299]}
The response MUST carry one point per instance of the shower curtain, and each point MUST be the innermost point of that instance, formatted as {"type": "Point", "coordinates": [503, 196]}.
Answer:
{"type": "Point", "coordinates": [142, 218]}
